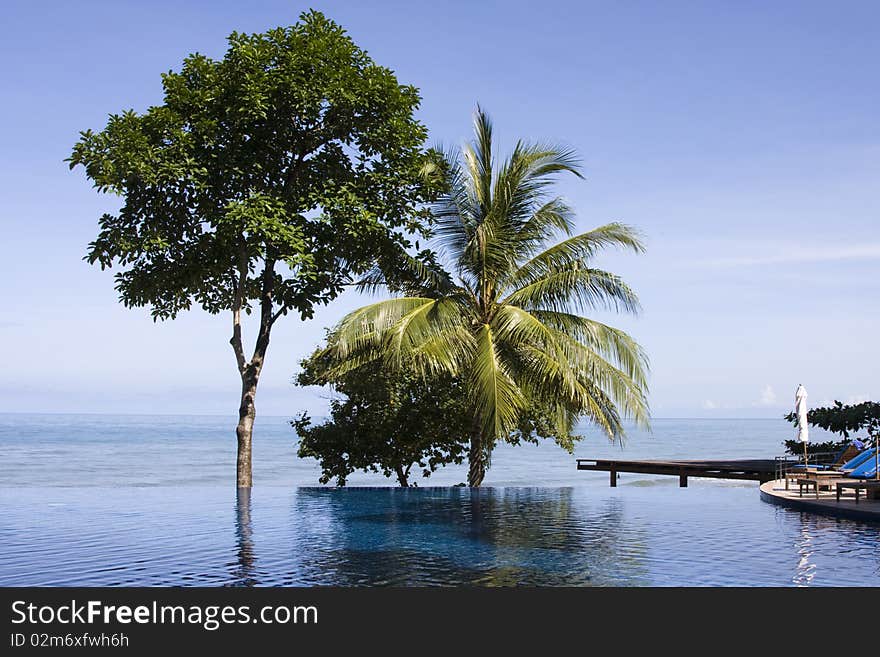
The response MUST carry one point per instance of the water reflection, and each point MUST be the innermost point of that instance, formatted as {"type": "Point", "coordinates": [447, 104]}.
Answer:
{"type": "Point", "coordinates": [462, 536]}
{"type": "Point", "coordinates": [505, 536]}
{"type": "Point", "coordinates": [244, 571]}
{"type": "Point", "coordinates": [812, 550]}
{"type": "Point", "coordinates": [805, 570]}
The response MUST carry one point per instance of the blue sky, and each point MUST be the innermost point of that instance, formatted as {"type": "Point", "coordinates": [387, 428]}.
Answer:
{"type": "Point", "coordinates": [740, 137]}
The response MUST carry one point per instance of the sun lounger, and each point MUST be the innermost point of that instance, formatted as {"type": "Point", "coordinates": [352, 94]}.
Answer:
{"type": "Point", "coordinates": [867, 469]}
{"type": "Point", "coordinates": [799, 472]}
{"type": "Point", "coordinates": [849, 457]}
{"type": "Point", "coordinates": [864, 476]}
{"type": "Point", "coordinates": [858, 460]}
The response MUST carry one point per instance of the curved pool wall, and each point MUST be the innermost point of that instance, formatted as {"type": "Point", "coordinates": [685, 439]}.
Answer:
{"type": "Point", "coordinates": [773, 492]}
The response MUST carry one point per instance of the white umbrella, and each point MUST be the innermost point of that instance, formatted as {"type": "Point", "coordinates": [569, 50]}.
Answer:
{"type": "Point", "coordinates": [800, 408]}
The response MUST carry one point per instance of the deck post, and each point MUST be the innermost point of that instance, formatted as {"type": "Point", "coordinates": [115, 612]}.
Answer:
{"type": "Point", "coordinates": [682, 480]}
{"type": "Point", "coordinates": [613, 477]}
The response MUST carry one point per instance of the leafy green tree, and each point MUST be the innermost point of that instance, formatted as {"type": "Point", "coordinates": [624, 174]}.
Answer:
{"type": "Point", "coordinates": [841, 419]}
{"type": "Point", "coordinates": [262, 183]}
{"type": "Point", "coordinates": [392, 421]}
{"type": "Point", "coordinates": [388, 422]}
{"type": "Point", "coordinates": [507, 320]}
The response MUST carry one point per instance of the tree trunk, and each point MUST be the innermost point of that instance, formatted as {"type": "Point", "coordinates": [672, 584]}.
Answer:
{"type": "Point", "coordinates": [476, 461]}
{"type": "Point", "coordinates": [245, 430]}
{"type": "Point", "coordinates": [402, 478]}
{"type": "Point", "coordinates": [250, 370]}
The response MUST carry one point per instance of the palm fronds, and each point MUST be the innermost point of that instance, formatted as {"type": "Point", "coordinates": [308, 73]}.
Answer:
{"type": "Point", "coordinates": [508, 320]}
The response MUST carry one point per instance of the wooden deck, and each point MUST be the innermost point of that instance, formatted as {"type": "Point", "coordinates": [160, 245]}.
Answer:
{"type": "Point", "coordinates": [827, 504]}
{"type": "Point", "coordinates": [760, 470]}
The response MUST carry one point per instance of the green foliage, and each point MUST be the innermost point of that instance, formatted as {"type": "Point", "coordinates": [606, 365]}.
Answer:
{"type": "Point", "coordinates": [393, 421]}
{"type": "Point", "coordinates": [841, 419]}
{"type": "Point", "coordinates": [844, 419]}
{"type": "Point", "coordinates": [274, 174]}
{"type": "Point", "coordinates": [509, 322]}
{"type": "Point", "coordinates": [384, 422]}
{"type": "Point", "coordinates": [796, 447]}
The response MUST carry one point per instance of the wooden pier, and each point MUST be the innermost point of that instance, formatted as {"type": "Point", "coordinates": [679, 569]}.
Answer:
{"type": "Point", "coordinates": [761, 470]}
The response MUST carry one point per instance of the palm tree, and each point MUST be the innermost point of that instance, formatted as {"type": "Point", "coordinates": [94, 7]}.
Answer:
{"type": "Point", "coordinates": [508, 320]}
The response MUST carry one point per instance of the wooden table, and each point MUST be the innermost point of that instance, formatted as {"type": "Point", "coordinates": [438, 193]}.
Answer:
{"type": "Point", "coordinates": [868, 484]}
{"type": "Point", "coordinates": [806, 483]}
{"type": "Point", "coordinates": [809, 473]}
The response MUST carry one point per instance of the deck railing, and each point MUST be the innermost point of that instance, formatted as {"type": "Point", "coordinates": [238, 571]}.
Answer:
{"type": "Point", "coordinates": [787, 462]}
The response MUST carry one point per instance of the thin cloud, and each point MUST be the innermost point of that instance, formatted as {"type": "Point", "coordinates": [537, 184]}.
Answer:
{"type": "Point", "coordinates": [800, 255]}
{"type": "Point", "coordinates": [768, 396]}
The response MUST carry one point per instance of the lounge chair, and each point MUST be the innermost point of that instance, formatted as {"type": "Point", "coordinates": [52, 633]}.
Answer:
{"type": "Point", "coordinates": [853, 463]}
{"type": "Point", "coordinates": [866, 457]}
{"type": "Point", "coordinates": [864, 476]}
{"type": "Point", "coordinates": [841, 460]}
{"type": "Point", "coordinates": [844, 469]}
{"type": "Point", "coordinates": [866, 470]}
{"type": "Point", "coordinates": [844, 461]}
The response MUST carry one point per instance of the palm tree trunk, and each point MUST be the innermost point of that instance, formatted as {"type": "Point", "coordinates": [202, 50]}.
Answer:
{"type": "Point", "coordinates": [476, 461]}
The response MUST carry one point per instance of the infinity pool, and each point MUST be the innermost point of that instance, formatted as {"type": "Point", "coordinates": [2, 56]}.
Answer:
{"type": "Point", "coordinates": [635, 535]}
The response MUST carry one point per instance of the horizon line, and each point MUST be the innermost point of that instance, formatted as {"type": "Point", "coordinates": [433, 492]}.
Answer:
{"type": "Point", "coordinates": [271, 415]}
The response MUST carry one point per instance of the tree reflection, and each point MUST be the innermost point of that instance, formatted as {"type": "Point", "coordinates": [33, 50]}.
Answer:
{"type": "Point", "coordinates": [244, 571]}
{"type": "Point", "coordinates": [464, 536]}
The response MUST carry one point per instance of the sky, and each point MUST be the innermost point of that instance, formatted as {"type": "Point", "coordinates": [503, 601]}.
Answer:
{"type": "Point", "coordinates": [741, 138]}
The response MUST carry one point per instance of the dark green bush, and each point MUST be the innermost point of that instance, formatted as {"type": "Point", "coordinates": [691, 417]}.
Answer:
{"type": "Point", "coordinates": [841, 419]}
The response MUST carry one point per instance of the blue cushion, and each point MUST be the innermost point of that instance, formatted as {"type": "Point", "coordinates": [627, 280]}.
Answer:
{"type": "Point", "coordinates": [867, 470]}
{"type": "Point", "coordinates": [858, 460]}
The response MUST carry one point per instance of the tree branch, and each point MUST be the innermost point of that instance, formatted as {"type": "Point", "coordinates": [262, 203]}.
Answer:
{"type": "Point", "coordinates": [278, 314]}
{"type": "Point", "coordinates": [294, 168]}
{"type": "Point", "coordinates": [237, 303]}
{"type": "Point", "coordinates": [266, 304]}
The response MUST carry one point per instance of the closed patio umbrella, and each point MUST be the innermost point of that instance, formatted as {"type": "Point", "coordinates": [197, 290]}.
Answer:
{"type": "Point", "coordinates": [800, 409]}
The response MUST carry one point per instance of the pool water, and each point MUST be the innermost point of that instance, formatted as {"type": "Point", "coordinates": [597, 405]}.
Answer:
{"type": "Point", "coordinates": [69, 517]}
{"type": "Point", "coordinates": [631, 536]}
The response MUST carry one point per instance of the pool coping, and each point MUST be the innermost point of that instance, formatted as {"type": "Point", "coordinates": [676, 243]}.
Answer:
{"type": "Point", "coordinates": [773, 492]}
